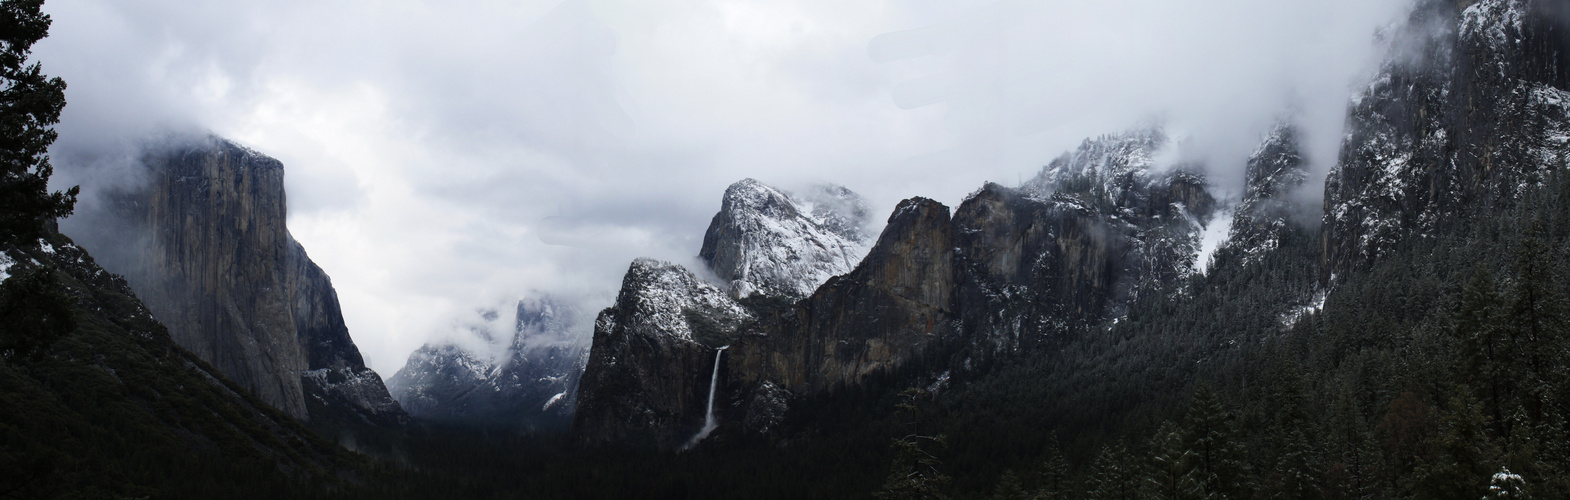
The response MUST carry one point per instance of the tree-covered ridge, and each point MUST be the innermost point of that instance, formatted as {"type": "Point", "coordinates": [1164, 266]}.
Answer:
{"type": "Point", "coordinates": [112, 408]}
{"type": "Point", "coordinates": [1442, 372]}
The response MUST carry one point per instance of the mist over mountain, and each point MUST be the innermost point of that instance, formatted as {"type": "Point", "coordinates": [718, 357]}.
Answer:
{"type": "Point", "coordinates": [501, 148]}
{"type": "Point", "coordinates": [203, 241]}
{"type": "Point", "coordinates": [531, 385]}
{"type": "Point", "coordinates": [1132, 249]}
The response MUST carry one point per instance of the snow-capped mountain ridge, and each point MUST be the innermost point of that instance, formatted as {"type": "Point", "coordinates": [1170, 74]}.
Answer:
{"type": "Point", "coordinates": [525, 386]}
{"type": "Point", "coordinates": [765, 240]}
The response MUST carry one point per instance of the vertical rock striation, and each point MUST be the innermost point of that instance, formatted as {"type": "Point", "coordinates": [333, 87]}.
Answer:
{"type": "Point", "coordinates": [204, 243]}
{"type": "Point", "coordinates": [1470, 109]}
{"type": "Point", "coordinates": [899, 300]}
{"type": "Point", "coordinates": [647, 377]}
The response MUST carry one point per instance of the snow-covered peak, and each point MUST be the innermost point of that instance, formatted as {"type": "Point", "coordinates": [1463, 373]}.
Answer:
{"type": "Point", "coordinates": [547, 320]}
{"type": "Point", "coordinates": [667, 299]}
{"type": "Point", "coordinates": [1105, 164]}
{"type": "Point", "coordinates": [765, 240]}
{"type": "Point", "coordinates": [749, 195]}
{"type": "Point", "coordinates": [839, 210]}
{"type": "Point", "coordinates": [521, 383]}
{"type": "Point", "coordinates": [1274, 172]}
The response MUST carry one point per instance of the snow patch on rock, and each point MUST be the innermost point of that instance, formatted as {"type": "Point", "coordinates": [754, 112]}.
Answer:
{"type": "Point", "coordinates": [669, 299]}
{"type": "Point", "coordinates": [1214, 236]}
{"type": "Point", "coordinates": [768, 241]}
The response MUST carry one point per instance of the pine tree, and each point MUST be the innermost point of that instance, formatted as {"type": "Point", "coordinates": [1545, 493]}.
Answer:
{"type": "Point", "coordinates": [34, 313]}
{"type": "Point", "coordinates": [1484, 348]}
{"type": "Point", "coordinates": [1010, 488]}
{"type": "Point", "coordinates": [30, 104]}
{"type": "Point", "coordinates": [1354, 473]}
{"type": "Point", "coordinates": [1506, 485]}
{"type": "Point", "coordinates": [1461, 467]}
{"type": "Point", "coordinates": [34, 309]}
{"type": "Point", "coordinates": [1114, 475]}
{"type": "Point", "coordinates": [1054, 474]}
{"type": "Point", "coordinates": [915, 473]}
{"type": "Point", "coordinates": [1537, 316]}
{"type": "Point", "coordinates": [1171, 475]}
{"type": "Point", "coordinates": [1296, 472]}
{"type": "Point", "coordinates": [1217, 462]}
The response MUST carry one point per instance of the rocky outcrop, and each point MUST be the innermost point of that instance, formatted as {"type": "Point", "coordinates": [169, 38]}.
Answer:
{"type": "Point", "coordinates": [766, 241]}
{"type": "Point", "coordinates": [649, 370]}
{"type": "Point", "coordinates": [1268, 211]}
{"type": "Point", "coordinates": [1095, 230]}
{"type": "Point", "coordinates": [899, 300]}
{"type": "Point", "coordinates": [1030, 268]}
{"type": "Point", "coordinates": [1470, 109]}
{"type": "Point", "coordinates": [1011, 268]}
{"type": "Point", "coordinates": [531, 386]}
{"type": "Point", "coordinates": [204, 243]}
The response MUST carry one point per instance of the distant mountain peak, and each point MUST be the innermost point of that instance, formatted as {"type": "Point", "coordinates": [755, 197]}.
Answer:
{"type": "Point", "coordinates": [765, 240]}
{"type": "Point", "coordinates": [1106, 163]}
{"type": "Point", "coordinates": [532, 385]}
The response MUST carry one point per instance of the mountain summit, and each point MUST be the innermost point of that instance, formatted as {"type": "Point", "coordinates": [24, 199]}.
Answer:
{"type": "Point", "coordinates": [767, 241]}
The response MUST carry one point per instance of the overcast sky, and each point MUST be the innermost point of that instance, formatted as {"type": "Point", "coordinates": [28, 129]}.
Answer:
{"type": "Point", "coordinates": [448, 156]}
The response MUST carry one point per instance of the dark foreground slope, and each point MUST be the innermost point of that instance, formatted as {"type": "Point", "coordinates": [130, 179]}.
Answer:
{"type": "Point", "coordinates": [115, 409]}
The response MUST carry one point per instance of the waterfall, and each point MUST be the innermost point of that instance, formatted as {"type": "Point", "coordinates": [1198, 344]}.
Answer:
{"type": "Point", "coordinates": [708, 417]}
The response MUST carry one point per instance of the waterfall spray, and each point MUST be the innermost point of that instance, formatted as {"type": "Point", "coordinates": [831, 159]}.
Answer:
{"type": "Point", "coordinates": [708, 418]}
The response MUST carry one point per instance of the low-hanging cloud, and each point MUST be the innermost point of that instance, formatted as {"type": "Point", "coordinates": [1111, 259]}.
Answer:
{"type": "Point", "coordinates": [444, 157]}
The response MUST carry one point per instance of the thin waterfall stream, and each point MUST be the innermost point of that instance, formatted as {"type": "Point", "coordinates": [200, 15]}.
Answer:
{"type": "Point", "coordinates": [708, 417]}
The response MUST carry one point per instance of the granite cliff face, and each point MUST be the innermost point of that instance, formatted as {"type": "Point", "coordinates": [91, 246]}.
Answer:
{"type": "Point", "coordinates": [1095, 230]}
{"type": "Point", "coordinates": [1011, 268]}
{"type": "Point", "coordinates": [1470, 109]}
{"type": "Point", "coordinates": [766, 241]}
{"type": "Point", "coordinates": [899, 300]}
{"type": "Point", "coordinates": [1269, 210]}
{"type": "Point", "coordinates": [204, 243]}
{"type": "Point", "coordinates": [649, 370]}
{"type": "Point", "coordinates": [532, 386]}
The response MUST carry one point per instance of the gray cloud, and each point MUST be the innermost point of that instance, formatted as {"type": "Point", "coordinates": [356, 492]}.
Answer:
{"type": "Point", "coordinates": [444, 157]}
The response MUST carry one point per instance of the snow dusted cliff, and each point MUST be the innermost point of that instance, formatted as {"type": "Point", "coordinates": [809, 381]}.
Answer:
{"type": "Point", "coordinates": [532, 385]}
{"type": "Point", "coordinates": [1154, 214]}
{"type": "Point", "coordinates": [767, 241]}
{"type": "Point", "coordinates": [648, 372]}
{"type": "Point", "coordinates": [1470, 109]}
